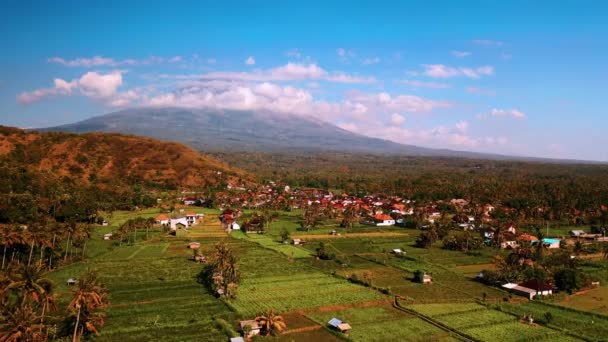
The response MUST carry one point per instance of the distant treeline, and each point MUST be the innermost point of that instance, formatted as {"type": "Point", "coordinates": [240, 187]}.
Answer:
{"type": "Point", "coordinates": [516, 184]}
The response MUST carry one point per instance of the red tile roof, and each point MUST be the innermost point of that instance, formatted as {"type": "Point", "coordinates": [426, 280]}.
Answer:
{"type": "Point", "coordinates": [382, 217]}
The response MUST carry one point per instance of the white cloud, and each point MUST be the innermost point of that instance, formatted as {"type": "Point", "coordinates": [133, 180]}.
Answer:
{"type": "Point", "coordinates": [399, 103]}
{"type": "Point", "coordinates": [250, 60]}
{"type": "Point", "coordinates": [98, 61]}
{"type": "Point", "coordinates": [369, 61]}
{"type": "Point", "coordinates": [454, 137]}
{"type": "Point", "coordinates": [101, 87]}
{"type": "Point", "coordinates": [289, 72]}
{"type": "Point", "coordinates": [421, 84]}
{"type": "Point", "coordinates": [349, 127]}
{"type": "Point", "coordinates": [514, 113]}
{"type": "Point", "coordinates": [488, 42]}
{"type": "Point", "coordinates": [397, 119]}
{"type": "Point", "coordinates": [443, 71]}
{"type": "Point", "coordinates": [460, 54]}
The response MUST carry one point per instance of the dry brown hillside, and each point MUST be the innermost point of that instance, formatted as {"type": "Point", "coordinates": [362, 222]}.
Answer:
{"type": "Point", "coordinates": [115, 158]}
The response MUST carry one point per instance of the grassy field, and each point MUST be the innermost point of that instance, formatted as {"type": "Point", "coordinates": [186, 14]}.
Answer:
{"type": "Point", "coordinates": [383, 323]}
{"type": "Point", "coordinates": [586, 325]}
{"type": "Point", "coordinates": [595, 300]}
{"type": "Point", "coordinates": [155, 296]}
{"type": "Point", "coordinates": [486, 324]}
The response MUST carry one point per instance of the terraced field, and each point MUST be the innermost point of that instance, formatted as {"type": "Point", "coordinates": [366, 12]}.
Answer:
{"type": "Point", "coordinates": [486, 324]}
{"type": "Point", "coordinates": [155, 295]}
{"type": "Point", "coordinates": [383, 323]}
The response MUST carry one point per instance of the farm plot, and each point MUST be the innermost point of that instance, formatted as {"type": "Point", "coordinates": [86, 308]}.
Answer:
{"type": "Point", "coordinates": [587, 325]}
{"type": "Point", "coordinates": [486, 324]}
{"type": "Point", "coordinates": [267, 241]}
{"type": "Point", "coordinates": [595, 300]}
{"type": "Point", "coordinates": [273, 282]}
{"type": "Point", "coordinates": [153, 297]}
{"type": "Point", "coordinates": [383, 323]}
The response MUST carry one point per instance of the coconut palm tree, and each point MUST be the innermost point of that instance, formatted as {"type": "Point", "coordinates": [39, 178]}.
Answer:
{"type": "Point", "coordinates": [29, 280]}
{"type": "Point", "coordinates": [270, 323]}
{"type": "Point", "coordinates": [22, 324]}
{"type": "Point", "coordinates": [86, 298]}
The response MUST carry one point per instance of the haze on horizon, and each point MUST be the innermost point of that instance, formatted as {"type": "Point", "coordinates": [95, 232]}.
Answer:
{"type": "Point", "coordinates": [509, 77]}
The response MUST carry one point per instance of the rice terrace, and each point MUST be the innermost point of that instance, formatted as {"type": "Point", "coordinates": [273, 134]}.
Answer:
{"type": "Point", "coordinates": [155, 294]}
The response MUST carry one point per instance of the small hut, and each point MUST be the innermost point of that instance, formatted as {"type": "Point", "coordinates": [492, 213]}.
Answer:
{"type": "Point", "coordinates": [250, 327]}
{"type": "Point", "coordinates": [71, 282]}
{"type": "Point", "coordinates": [107, 236]}
{"type": "Point", "coordinates": [194, 245]}
{"type": "Point", "coordinates": [339, 325]}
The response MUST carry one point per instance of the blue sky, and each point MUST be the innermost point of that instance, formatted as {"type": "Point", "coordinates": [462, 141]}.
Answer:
{"type": "Point", "coordinates": [513, 77]}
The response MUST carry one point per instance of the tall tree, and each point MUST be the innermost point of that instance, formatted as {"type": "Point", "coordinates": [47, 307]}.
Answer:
{"type": "Point", "coordinates": [89, 296]}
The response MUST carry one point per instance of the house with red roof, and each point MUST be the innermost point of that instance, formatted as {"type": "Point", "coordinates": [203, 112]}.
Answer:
{"type": "Point", "coordinates": [380, 220]}
{"type": "Point", "coordinates": [162, 219]}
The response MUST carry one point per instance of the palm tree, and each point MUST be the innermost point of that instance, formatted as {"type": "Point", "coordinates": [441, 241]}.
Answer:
{"type": "Point", "coordinates": [223, 270]}
{"type": "Point", "coordinates": [31, 282]}
{"type": "Point", "coordinates": [21, 324]}
{"type": "Point", "coordinates": [270, 323]}
{"type": "Point", "coordinates": [86, 298]}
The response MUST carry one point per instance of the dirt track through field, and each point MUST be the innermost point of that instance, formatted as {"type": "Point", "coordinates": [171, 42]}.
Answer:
{"type": "Point", "coordinates": [351, 235]}
{"type": "Point", "coordinates": [301, 330]}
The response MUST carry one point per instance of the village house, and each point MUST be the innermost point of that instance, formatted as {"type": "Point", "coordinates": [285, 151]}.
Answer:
{"type": "Point", "coordinates": [527, 238]}
{"type": "Point", "coordinates": [551, 243]}
{"type": "Point", "coordinates": [530, 288]}
{"type": "Point", "coordinates": [178, 223]}
{"type": "Point", "coordinates": [379, 220]}
{"type": "Point", "coordinates": [107, 236]}
{"type": "Point", "coordinates": [189, 200]}
{"type": "Point", "coordinates": [511, 244]}
{"type": "Point", "coordinates": [577, 233]}
{"type": "Point", "coordinates": [192, 217]}
{"type": "Point", "coordinates": [162, 219]}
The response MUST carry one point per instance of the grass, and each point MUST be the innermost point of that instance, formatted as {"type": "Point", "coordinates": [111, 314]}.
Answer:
{"type": "Point", "coordinates": [383, 323]}
{"type": "Point", "coordinates": [267, 241]}
{"type": "Point", "coordinates": [276, 282]}
{"type": "Point", "coordinates": [155, 296]}
{"type": "Point", "coordinates": [486, 324]}
{"type": "Point", "coordinates": [580, 323]}
{"type": "Point", "coordinates": [595, 300]}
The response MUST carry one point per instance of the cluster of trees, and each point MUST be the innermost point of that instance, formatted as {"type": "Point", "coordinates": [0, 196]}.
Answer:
{"type": "Point", "coordinates": [462, 241]}
{"type": "Point", "coordinates": [259, 221]}
{"type": "Point", "coordinates": [127, 232]}
{"type": "Point", "coordinates": [221, 274]}
{"type": "Point", "coordinates": [533, 262]}
{"type": "Point", "coordinates": [29, 306]}
{"type": "Point", "coordinates": [47, 243]}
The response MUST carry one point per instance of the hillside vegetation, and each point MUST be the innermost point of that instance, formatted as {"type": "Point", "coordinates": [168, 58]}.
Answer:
{"type": "Point", "coordinates": [114, 158]}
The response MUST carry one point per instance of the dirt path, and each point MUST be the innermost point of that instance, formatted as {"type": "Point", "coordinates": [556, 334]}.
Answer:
{"type": "Point", "coordinates": [301, 330]}
{"type": "Point", "coordinates": [350, 235]}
